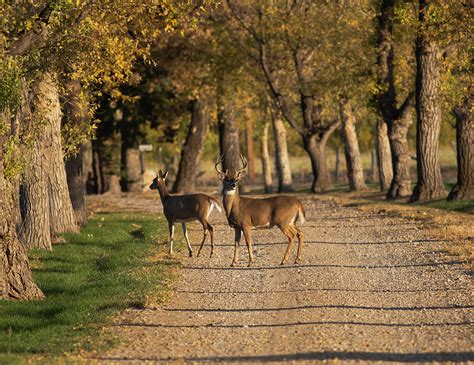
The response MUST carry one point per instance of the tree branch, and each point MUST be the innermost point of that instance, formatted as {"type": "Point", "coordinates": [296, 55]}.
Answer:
{"type": "Point", "coordinates": [406, 105]}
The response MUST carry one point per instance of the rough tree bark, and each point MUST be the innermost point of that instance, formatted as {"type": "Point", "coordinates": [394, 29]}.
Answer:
{"type": "Point", "coordinates": [464, 188]}
{"type": "Point", "coordinates": [75, 114]}
{"type": "Point", "coordinates": [16, 281]}
{"type": "Point", "coordinates": [282, 162]}
{"type": "Point", "coordinates": [192, 148]}
{"type": "Point", "coordinates": [398, 131]}
{"type": "Point", "coordinates": [430, 185]}
{"type": "Point", "coordinates": [355, 172]}
{"type": "Point", "coordinates": [397, 119]}
{"type": "Point", "coordinates": [35, 229]}
{"type": "Point", "coordinates": [384, 156]}
{"type": "Point", "coordinates": [266, 163]}
{"type": "Point", "coordinates": [62, 217]}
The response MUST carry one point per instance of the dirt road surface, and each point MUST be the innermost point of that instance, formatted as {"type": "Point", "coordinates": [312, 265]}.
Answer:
{"type": "Point", "coordinates": [371, 288]}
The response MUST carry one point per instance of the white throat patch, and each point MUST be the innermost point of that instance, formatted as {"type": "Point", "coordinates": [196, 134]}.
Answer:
{"type": "Point", "coordinates": [229, 192]}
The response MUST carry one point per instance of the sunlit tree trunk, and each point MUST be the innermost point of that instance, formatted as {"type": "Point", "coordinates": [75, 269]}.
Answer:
{"type": "Point", "coordinates": [192, 148]}
{"type": "Point", "coordinates": [62, 217]}
{"type": "Point", "coordinates": [282, 161]}
{"type": "Point", "coordinates": [464, 188]}
{"type": "Point", "coordinates": [250, 148]}
{"type": "Point", "coordinates": [401, 183]}
{"type": "Point", "coordinates": [397, 119]}
{"type": "Point", "coordinates": [355, 172]}
{"type": "Point", "coordinates": [337, 168]}
{"type": "Point", "coordinates": [75, 114]}
{"type": "Point", "coordinates": [374, 172]}
{"type": "Point", "coordinates": [317, 151]}
{"type": "Point", "coordinates": [16, 281]}
{"type": "Point", "coordinates": [266, 163]}
{"type": "Point", "coordinates": [430, 185]}
{"type": "Point", "coordinates": [384, 156]}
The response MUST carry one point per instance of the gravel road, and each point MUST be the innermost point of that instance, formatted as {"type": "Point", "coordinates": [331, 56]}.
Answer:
{"type": "Point", "coordinates": [371, 288]}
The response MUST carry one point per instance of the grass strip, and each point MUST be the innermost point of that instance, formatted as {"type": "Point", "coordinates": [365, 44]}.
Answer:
{"type": "Point", "coordinates": [114, 263]}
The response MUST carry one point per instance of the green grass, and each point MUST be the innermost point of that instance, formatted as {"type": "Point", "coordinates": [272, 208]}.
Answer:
{"type": "Point", "coordinates": [111, 265]}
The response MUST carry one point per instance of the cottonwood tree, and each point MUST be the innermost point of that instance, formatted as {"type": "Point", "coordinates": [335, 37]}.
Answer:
{"type": "Point", "coordinates": [39, 39]}
{"type": "Point", "coordinates": [295, 45]}
{"type": "Point", "coordinates": [464, 188]}
{"type": "Point", "coordinates": [396, 119]}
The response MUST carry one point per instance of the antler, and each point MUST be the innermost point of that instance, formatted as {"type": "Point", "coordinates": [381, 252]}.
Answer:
{"type": "Point", "coordinates": [244, 163]}
{"type": "Point", "coordinates": [217, 164]}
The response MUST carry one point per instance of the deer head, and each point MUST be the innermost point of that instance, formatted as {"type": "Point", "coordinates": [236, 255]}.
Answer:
{"type": "Point", "coordinates": [231, 177]}
{"type": "Point", "coordinates": [159, 180]}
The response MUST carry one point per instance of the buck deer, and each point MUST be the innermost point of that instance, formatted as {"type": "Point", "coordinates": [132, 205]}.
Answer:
{"type": "Point", "coordinates": [185, 208]}
{"type": "Point", "coordinates": [243, 213]}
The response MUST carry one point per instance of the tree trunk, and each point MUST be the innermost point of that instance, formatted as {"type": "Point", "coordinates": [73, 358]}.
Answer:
{"type": "Point", "coordinates": [464, 188]}
{"type": "Point", "coordinates": [384, 156]}
{"type": "Point", "coordinates": [97, 181]}
{"type": "Point", "coordinates": [75, 182]}
{"type": "Point", "coordinates": [355, 172]}
{"type": "Point", "coordinates": [430, 184]}
{"type": "Point", "coordinates": [266, 164]}
{"type": "Point", "coordinates": [230, 138]}
{"type": "Point", "coordinates": [192, 149]}
{"type": "Point", "coordinates": [133, 178]}
{"type": "Point", "coordinates": [75, 114]}
{"type": "Point", "coordinates": [48, 108]}
{"type": "Point", "coordinates": [282, 162]}
{"type": "Point", "coordinates": [317, 152]}
{"type": "Point", "coordinates": [250, 148]}
{"type": "Point", "coordinates": [16, 281]}
{"type": "Point", "coordinates": [401, 182]}
{"type": "Point", "coordinates": [374, 172]}
{"type": "Point", "coordinates": [35, 228]}
{"type": "Point", "coordinates": [337, 168]}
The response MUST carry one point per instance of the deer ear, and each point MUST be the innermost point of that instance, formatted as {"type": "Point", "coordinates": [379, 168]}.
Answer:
{"type": "Point", "coordinates": [165, 175]}
{"type": "Point", "coordinates": [221, 176]}
{"type": "Point", "coordinates": [240, 174]}
{"type": "Point", "coordinates": [159, 173]}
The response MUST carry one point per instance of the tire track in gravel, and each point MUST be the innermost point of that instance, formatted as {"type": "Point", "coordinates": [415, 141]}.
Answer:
{"type": "Point", "coordinates": [370, 288]}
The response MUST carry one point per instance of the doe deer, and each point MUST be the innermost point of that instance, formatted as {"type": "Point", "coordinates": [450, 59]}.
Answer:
{"type": "Point", "coordinates": [244, 213]}
{"type": "Point", "coordinates": [185, 208]}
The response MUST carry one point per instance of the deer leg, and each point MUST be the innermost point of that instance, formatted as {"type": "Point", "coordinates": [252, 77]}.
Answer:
{"type": "Point", "coordinates": [185, 233]}
{"type": "Point", "coordinates": [171, 228]}
{"type": "Point", "coordinates": [211, 231]}
{"type": "Point", "coordinates": [291, 236]}
{"type": "Point", "coordinates": [238, 234]}
{"type": "Point", "coordinates": [204, 226]}
{"type": "Point", "coordinates": [300, 235]}
{"type": "Point", "coordinates": [248, 240]}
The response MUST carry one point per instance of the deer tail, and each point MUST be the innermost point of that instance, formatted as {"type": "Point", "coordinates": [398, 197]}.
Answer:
{"type": "Point", "coordinates": [214, 204]}
{"type": "Point", "coordinates": [301, 214]}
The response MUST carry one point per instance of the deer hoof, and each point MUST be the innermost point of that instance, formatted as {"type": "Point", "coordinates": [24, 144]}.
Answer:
{"type": "Point", "coordinates": [233, 264]}
{"type": "Point", "coordinates": [190, 253]}
{"type": "Point", "coordinates": [297, 260]}
{"type": "Point", "coordinates": [283, 262]}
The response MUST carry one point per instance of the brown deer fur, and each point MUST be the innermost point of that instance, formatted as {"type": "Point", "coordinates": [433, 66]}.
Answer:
{"type": "Point", "coordinates": [185, 208]}
{"type": "Point", "coordinates": [244, 213]}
